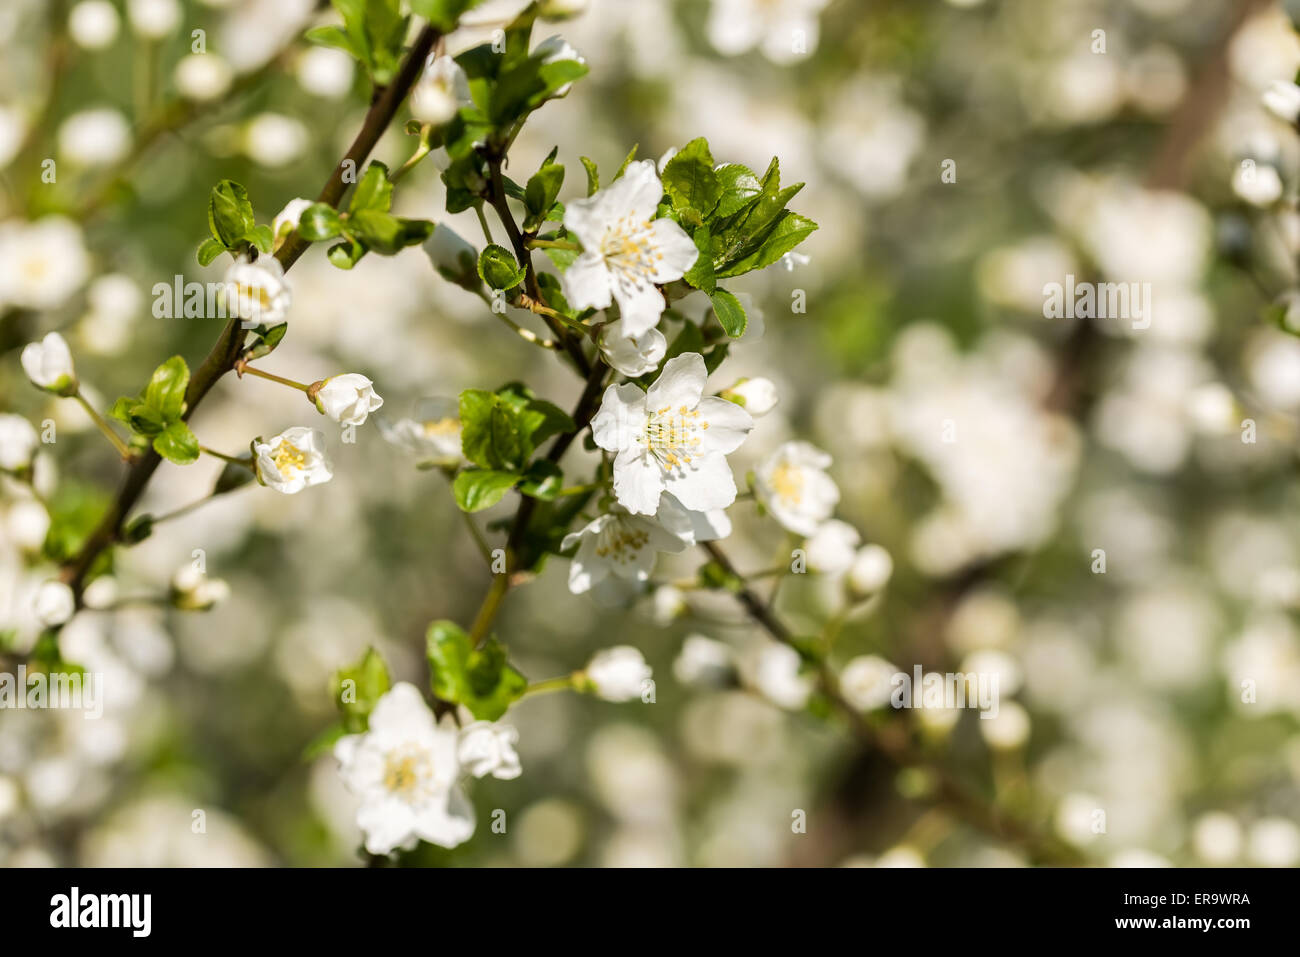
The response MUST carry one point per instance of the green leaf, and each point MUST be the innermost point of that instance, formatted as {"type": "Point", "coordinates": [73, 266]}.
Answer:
{"type": "Point", "coordinates": [346, 254]}
{"type": "Point", "coordinates": [209, 250]}
{"type": "Point", "coordinates": [165, 393]}
{"type": "Point", "coordinates": [358, 688]}
{"type": "Point", "coordinates": [324, 742]}
{"type": "Point", "coordinates": [477, 489]}
{"type": "Point", "coordinates": [267, 340]}
{"type": "Point", "coordinates": [543, 480]}
{"type": "Point", "coordinates": [442, 14]}
{"type": "Point", "coordinates": [689, 179]}
{"type": "Point", "coordinates": [336, 37]}
{"type": "Point", "coordinates": [230, 213]}
{"type": "Point", "coordinates": [553, 421]}
{"type": "Point", "coordinates": [176, 443]}
{"type": "Point", "coordinates": [730, 313]}
{"type": "Point", "coordinates": [593, 177]}
{"type": "Point", "coordinates": [378, 231]}
{"type": "Point", "coordinates": [233, 476]}
{"type": "Point", "coordinates": [374, 191]}
{"type": "Point", "coordinates": [478, 678]}
{"type": "Point", "coordinates": [498, 268]}
{"type": "Point", "coordinates": [318, 222]}
{"type": "Point", "coordinates": [261, 237]}
{"type": "Point", "coordinates": [138, 529]}
{"type": "Point", "coordinates": [540, 195]}
{"type": "Point", "coordinates": [740, 187]}
{"type": "Point", "coordinates": [789, 230]}
{"type": "Point", "coordinates": [700, 275]}
{"type": "Point", "coordinates": [627, 160]}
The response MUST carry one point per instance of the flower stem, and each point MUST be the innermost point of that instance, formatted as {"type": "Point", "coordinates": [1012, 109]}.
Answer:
{"type": "Point", "coordinates": [552, 244]}
{"type": "Point", "coordinates": [245, 368]}
{"type": "Point", "coordinates": [225, 458]}
{"type": "Point", "coordinates": [550, 685]}
{"type": "Point", "coordinates": [123, 449]}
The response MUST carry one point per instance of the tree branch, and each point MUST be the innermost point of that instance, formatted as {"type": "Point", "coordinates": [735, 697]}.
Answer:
{"type": "Point", "coordinates": [225, 352]}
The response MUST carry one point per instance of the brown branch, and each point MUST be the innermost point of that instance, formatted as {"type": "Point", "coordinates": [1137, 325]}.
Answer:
{"type": "Point", "coordinates": [225, 352]}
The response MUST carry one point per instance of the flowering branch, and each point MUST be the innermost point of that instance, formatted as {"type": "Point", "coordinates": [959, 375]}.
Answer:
{"type": "Point", "coordinates": [226, 351]}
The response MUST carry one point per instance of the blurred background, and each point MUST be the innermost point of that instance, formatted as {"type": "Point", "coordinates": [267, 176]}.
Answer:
{"type": "Point", "coordinates": [959, 156]}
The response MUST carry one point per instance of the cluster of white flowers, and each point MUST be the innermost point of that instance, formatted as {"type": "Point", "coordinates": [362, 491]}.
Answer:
{"type": "Point", "coordinates": [408, 768]}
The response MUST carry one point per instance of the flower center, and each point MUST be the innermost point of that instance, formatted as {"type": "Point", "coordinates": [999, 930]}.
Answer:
{"type": "Point", "coordinates": [288, 457]}
{"type": "Point", "coordinates": [628, 247]}
{"type": "Point", "coordinates": [671, 434]}
{"type": "Point", "coordinates": [787, 482]}
{"type": "Point", "coordinates": [620, 542]}
{"type": "Point", "coordinates": [407, 772]}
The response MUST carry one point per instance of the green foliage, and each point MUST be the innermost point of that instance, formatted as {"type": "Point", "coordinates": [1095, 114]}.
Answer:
{"type": "Point", "coordinates": [540, 194]}
{"type": "Point", "coordinates": [738, 222]}
{"type": "Point", "coordinates": [730, 313]}
{"type": "Point", "coordinates": [357, 688]}
{"type": "Point", "coordinates": [373, 32]}
{"type": "Point", "coordinates": [497, 267]}
{"type": "Point", "coordinates": [443, 14]}
{"type": "Point", "coordinates": [477, 489]}
{"type": "Point", "coordinates": [75, 510]}
{"type": "Point", "coordinates": [367, 226]}
{"type": "Point", "coordinates": [157, 414]}
{"type": "Point", "coordinates": [478, 678]}
{"type": "Point", "coordinates": [232, 225]}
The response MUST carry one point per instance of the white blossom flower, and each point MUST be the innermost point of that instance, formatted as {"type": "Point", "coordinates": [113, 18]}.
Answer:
{"type": "Point", "coordinates": [867, 682]}
{"type": "Point", "coordinates": [626, 251]}
{"type": "Point", "coordinates": [348, 399]}
{"type": "Point", "coordinates": [440, 92]}
{"type": "Point", "coordinates": [48, 364]}
{"type": "Point", "coordinates": [632, 355]}
{"type": "Point", "coordinates": [455, 259]}
{"type": "Point", "coordinates": [41, 263]}
{"type": "Point", "coordinates": [432, 435]}
{"type": "Point", "coordinates": [325, 72]}
{"type": "Point", "coordinates": [95, 137]}
{"type": "Point", "coordinates": [286, 221]}
{"type": "Point", "coordinates": [27, 525]}
{"type": "Point", "coordinates": [93, 24]}
{"type": "Point", "coordinates": [53, 603]}
{"type": "Point", "coordinates": [671, 438]}
{"type": "Point", "coordinates": [756, 396]}
{"type": "Point", "coordinates": [292, 460]}
{"type": "Point", "coordinates": [203, 76]}
{"type": "Point", "coordinates": [13, 130]}
{"type": "Point", "coordinates": [489, 748]}
{"type": "Point", "coordinates": [153, 19]}
{"type": "Point", "coordinates": [1257, 183]}
{"type": "Point", "coordinates": [793, 485]}
{"type": "Point", "coordinates": [786, 30]}
{"type": "Point", "coordinates": [193, 590]}
{"type": "Point", "coordinates": [274, 140]}
{"type": "Point", "coordinates": [870, 571]}
{"type": "Point", "coordinates": [777, 676]}
{"type": "Point", "coordinates": [18, 442]}
{"type": "Point", "coordinates": [704, 662]}
{"type": "Point", "coordinates": [832, 547]}
{"type": "Point", "coordinates": [405, 769]}
{"type": "Point", "coordinates": [618, 673]}
{"type": "Point", "coordinates": [616, 553]}
{"type": "Point", "coordinates": [1282, 99]}
{"type": "Point", "coordinates": [257, 291]}
{"type": "Point", "coordinates": [554, 49]}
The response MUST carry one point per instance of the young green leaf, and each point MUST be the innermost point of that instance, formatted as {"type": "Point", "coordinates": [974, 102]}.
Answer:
{"type": "Point", "coordinates": [319, 222]}
{"type": "Point", "coordinates": [374, 191]}
{"type": "Point", "coordinates": [165, 393]}
{"type": "Point", "coordinates": [356, 690]}
{"type": "Point", "coordinates": [730, 313]}
{"type": "Point", "coordinates": [230, 213]}
{"type": "Point", "coordinates": [478, 678]}
{"type": "Point", "coordinates": [477, 489]}
{"type": "Point", "coordinates": [690, 181]}
{"type": "Point", "coordinates": [176, 443]}
{"type": "Point", "coordinates": [209, 250]}
{"type": "Point", "coordinates": [497, 267]}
